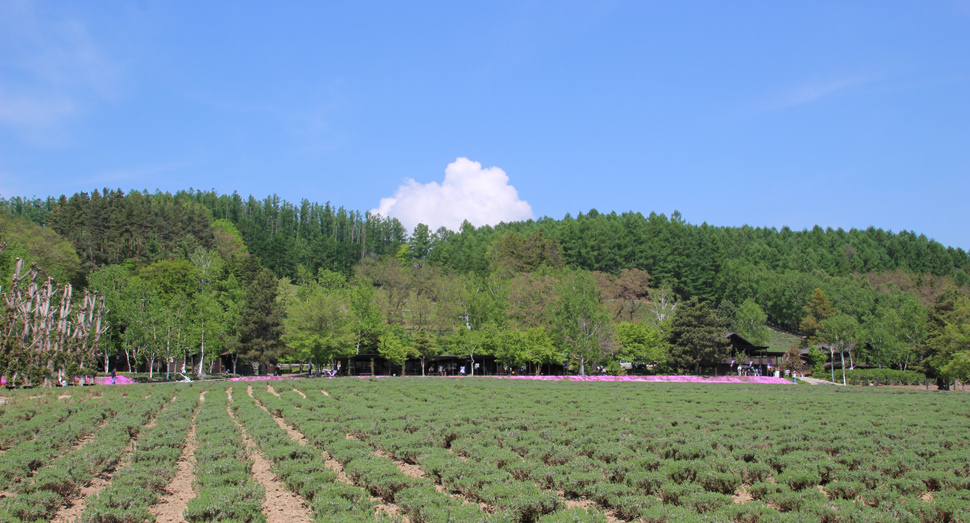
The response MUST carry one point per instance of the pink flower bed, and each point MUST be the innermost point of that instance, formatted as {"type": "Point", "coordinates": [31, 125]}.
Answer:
{"type": "Point", "coordinates": [659, 379]}
{"type": "Point", "coordinates": [101, 380]}
{"type": "Point", "coordinates": [108, 380]}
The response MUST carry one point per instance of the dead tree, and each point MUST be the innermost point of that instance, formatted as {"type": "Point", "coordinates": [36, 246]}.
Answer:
{"type": "Point", "coordinates": [45, 333]}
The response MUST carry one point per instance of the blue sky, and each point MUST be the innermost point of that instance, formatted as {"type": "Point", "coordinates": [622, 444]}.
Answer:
{"type": "Point", "coordinates": [841, 114]}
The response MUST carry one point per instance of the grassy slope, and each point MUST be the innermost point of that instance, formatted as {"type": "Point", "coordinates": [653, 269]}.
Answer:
{"type": "Point", "coordinates": [782, 340]}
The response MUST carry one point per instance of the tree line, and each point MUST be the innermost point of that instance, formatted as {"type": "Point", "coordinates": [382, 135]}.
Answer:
{"type": "Point", "coordinates": [203, 274]}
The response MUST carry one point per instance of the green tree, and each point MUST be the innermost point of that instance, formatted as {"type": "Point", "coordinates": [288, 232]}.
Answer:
{"type": "Point", "coordinates": [959, 367]}
{"type": "Point", "coordinates": [229, 291]}
{"type": "Point", "coordinates": [515, 254]}
{"type": "Point", "coordinates": [208, 315]}
{"type": "Point", "coordinates": [912, 324]}
{"type": "Point", "coordinates": [469, 342]}
{"type": "Point", "coordinates": [839, 333]}
{"type": "Point", "coordinates": [421, 242]}
{"type": "Point", "coordinates": [581, 324]}
{"type": "Point", "coordinates": [112, 282]}
{"type": "Point", "coordinates": [643, 343]}
{"type": "Point", "coordinates": [171, 278]}
{"type": "Point", "coordinates": [751, 323]}
{"type": "Point", "coordinates": [816, 361]}
{"type": "Point", "coordinates": [424, 347]}
{"type": "Point", "coordinates": [817, 310]}
{"type": "Point", "coordinates": [512, 348]}
{"type": "Point", "coordinates": [540, 348]}
{"type": "Point", "coordinates": [176, 332]}
{"type": "Point", "coordinates": [394, 349]}
{"type": "Point", "coordinates": [318, 326]}
{"type": "Point", "coordinates": [949, 337]}
{"type": "Point", "coordinates": [883, 332]}
{"type": "Point", "coordinates": [696, 337]}
{"type": "Point", "coordinates": [366, 321]}
{"type": "Point", "coordinates": [54, 256]}
{"type": "Point", "coordinates": [260, 319]}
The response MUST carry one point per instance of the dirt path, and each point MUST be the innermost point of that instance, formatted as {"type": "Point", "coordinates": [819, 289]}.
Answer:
{"type": "Point", "coordinates": [300, 392]}
{"type": "Point", "coordinates": [742, 495]}
{"type": "Point", "coordinates": [178, 493]}
{"type": "Point", "coordinates": [290, 431]}
{"type": "Point", "coordinates": [298, 437]}
{"type": "Point", "coordinates": [280, 505]}
{"type": "Point", "coordinates": [271, 390]}
{"type": "Point", "coordinates": [389, 508]}
{"type": "Point", "coordinates": [325, 393]}
{"type": "Point", "coordinates": [79, 444]}
{"type": "Point", "coordinates": [415, 471]}
{"type": "Point", "coordinates": [75, 507]}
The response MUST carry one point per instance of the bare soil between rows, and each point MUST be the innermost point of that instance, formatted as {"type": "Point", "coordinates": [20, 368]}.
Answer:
{"type": "Point", "coordinates": [390, 509]}
{"type": "Point", "coordinates": [75, 507]}
{"type": "Point", "coordinates": [280, 505]}
{"type": "Point", "coordinates": [179, 491]}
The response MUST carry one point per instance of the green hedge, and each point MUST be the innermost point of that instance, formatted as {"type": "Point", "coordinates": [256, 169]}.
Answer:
{"type": "Point", "coordinates": [884, 377]}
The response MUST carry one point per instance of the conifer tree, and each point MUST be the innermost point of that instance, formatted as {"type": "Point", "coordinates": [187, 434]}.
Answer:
{"type": "Point", "coordinates": [260, 322]}
{"type": "Point", "coordinates": [817, 310]}
{"type": "Point", "coordinates": [696, 337]}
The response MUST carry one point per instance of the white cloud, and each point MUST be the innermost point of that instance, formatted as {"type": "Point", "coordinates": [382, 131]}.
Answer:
{"type": "Point", "coordinates": [468, 192]}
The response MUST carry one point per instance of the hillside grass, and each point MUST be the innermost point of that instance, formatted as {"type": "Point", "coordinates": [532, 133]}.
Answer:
{"type": "Point", "coordinates": [782, 341]}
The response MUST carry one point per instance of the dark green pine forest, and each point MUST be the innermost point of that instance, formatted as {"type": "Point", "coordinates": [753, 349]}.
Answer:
{"type": "Point", "coordinates": [197, 274]}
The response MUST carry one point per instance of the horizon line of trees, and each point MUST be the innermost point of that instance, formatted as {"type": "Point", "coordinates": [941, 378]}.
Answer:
{"type": "Point", "coordinates": [197, 273]}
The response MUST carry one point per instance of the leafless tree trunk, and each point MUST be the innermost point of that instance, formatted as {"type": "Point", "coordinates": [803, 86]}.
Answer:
{"type": "Point", "coordinates": [52, 335]}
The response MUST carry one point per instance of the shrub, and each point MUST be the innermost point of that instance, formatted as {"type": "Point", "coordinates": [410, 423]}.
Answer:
{"type": "Point", "coordinates": [762, 489]}
{"type": "Point", "coordinates": [574, 515]}
{"type": "Point", "coordinates": [751, 512]}
{"type": "Point", "coordinates": [707, 501]}
{"type": "Point", "coordinates": [799, 479]}
{"type": "Point", "coordinates": [884, 377]}
{"type": "Point", "coordinates": [792, 501]}
{"type": "Point", "coordinates": [720, 482]}
{"type": "Point", "coordinates": [629, 507]}
{"type": "Point", "coordinates": [845, 489]}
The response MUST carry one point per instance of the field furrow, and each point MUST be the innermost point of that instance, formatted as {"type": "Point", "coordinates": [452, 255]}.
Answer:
{"type": "Point", "coordinates": [225, 487]}
{"type": "Point", "coordinates": [21, 425]}
{"type": "Point", "coordinates": [280, 504]}
{"type": "Point", "coordinates": [97, 453]}
{"type": "Point", "coordinates": [76, 506]}
{"type": "Point", "coordinates": [434, 450]}
{"type": "Point", "coordinates": [153, 464]}
{"type": "Point", "coordinates": [304, 469]}
{"type": "Point", "coordinates": [417, 496]}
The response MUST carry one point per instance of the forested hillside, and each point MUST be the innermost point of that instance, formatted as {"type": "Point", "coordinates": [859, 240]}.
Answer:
{"type": "Point", "coordinates": [312, 281]}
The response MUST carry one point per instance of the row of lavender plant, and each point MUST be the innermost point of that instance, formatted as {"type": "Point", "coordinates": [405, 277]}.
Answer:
{"type": "Point", "coordinates": [39, 499]}
{"type": "Point", "coordinates": [302, 469]}
{"type": "Point", "coordinates": [152, 465]}
{"type": "Point", "coordinates": [684, 447]}
{"type": "Point", "coordinates": [223, 470]}
{"type": "Point", "coordinates": [417, 497]}
{"type": "Point", "coordinates": [21, 421]}
{"type": "Point", "coordinates": [54, 437]}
